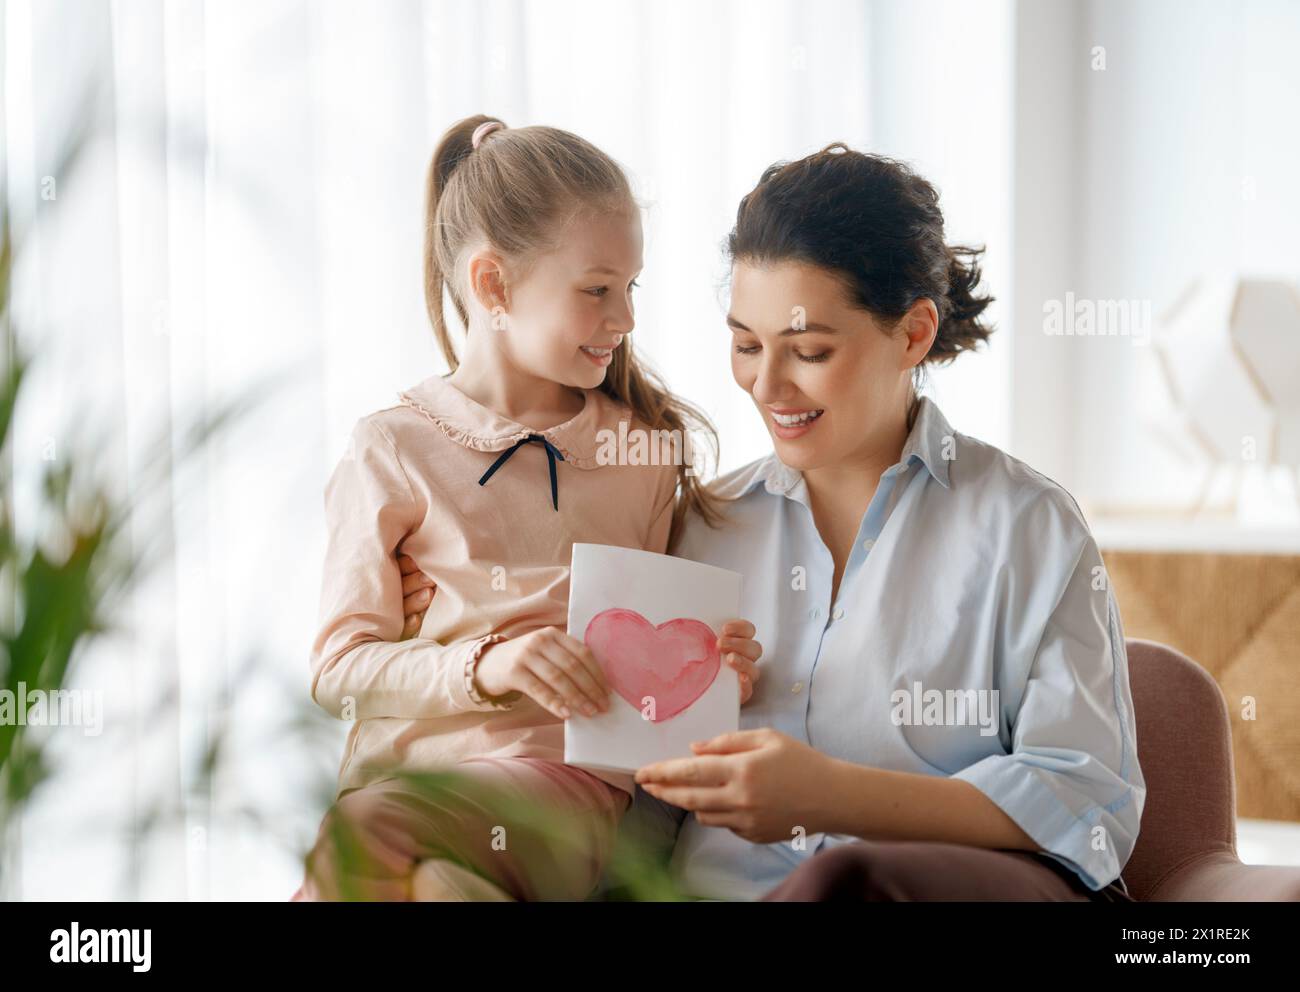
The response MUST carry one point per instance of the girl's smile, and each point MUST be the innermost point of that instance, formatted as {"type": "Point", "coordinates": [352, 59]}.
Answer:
{"type": "Point", "coordinates": [599, 356]}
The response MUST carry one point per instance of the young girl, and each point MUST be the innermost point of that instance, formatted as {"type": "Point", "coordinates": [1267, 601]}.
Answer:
{"type": "Point", "coordinates": [485, 478]}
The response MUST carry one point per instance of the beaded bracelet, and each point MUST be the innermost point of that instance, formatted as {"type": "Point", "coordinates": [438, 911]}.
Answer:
{"type": "Point", "coordinates": [471, 688]}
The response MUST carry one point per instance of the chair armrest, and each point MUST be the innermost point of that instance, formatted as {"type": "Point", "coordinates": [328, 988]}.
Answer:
{"type": "Point", "coordinates": [1221, 877]}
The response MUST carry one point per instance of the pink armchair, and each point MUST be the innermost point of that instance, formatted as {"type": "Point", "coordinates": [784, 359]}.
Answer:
{"type": "Point", "coordinates": [1187, 845]}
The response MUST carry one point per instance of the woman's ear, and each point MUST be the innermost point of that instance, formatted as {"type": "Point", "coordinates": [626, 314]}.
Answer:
{"type": "Point", "coordinates": [487, 280]}
{"type": "Point", "coordinates": [920, 325]}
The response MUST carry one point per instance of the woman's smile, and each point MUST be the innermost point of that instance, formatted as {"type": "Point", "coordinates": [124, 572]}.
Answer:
{"type": "Point", "coordinates": [788, 423]}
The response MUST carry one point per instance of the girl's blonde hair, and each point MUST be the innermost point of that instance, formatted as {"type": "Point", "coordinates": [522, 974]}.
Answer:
{"type": "Point", "coordinates": [516, 192]}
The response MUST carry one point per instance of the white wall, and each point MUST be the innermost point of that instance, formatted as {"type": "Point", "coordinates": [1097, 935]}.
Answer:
{"type": "Point", "coordinates": [1047, 64]}
{"type": "Point", "coordinates": [942, 76]}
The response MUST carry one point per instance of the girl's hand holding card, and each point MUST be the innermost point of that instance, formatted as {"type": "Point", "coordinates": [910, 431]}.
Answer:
{"type": "Point", "coordinates": [553, 669]}
{"type": "Point", "coordinates": [740, 651]}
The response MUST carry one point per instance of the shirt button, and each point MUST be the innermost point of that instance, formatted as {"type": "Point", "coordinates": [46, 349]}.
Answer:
{"type": "Point", "coordinates": [797, 688]}
{"type": "Point", "coordinates": [868, 544]}
{"type": "Point", "coordinates": [838, 614]}
{"type": "Point", "coordinates": [814, 613]}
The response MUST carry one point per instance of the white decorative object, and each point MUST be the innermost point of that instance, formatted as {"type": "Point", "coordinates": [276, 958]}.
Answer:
{"type": "Point", "coordinates": [1229, 350]}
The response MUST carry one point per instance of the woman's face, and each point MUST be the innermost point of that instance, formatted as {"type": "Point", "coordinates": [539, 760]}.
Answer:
{"type": "Point", "coordinates": [830, 380]}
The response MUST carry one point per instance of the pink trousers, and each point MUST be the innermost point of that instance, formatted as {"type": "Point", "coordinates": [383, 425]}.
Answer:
{"type": "Point", "coordinates": [389, 841]}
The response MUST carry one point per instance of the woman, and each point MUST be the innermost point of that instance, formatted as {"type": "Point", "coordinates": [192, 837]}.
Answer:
{"type": "Point", "coordinates": [945, 673]}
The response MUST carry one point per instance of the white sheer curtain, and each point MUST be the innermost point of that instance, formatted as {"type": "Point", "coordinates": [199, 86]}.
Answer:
{"type": "Point", "coordinates": [249, 216]}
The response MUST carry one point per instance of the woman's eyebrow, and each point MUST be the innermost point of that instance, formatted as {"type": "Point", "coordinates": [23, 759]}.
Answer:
{"type": "Point", "coordinates": [814, 328]}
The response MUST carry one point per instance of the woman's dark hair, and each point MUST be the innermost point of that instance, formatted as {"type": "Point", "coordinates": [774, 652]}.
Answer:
{"type": "Point", "coordinates": [876, 224]}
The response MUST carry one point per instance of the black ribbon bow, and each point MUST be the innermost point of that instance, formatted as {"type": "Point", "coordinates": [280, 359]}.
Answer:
{"type": "Point", "coordinates": [552, 453]}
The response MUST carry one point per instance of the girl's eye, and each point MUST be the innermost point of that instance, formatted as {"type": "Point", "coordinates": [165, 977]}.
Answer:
{"type": "Point", "coordinates": [746, 351]}
{"type": "Point", "coordinates": [599, 291]}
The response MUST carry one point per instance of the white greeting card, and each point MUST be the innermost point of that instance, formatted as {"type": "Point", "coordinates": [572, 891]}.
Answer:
{"type": "Point", "coordinates": [652, 622]}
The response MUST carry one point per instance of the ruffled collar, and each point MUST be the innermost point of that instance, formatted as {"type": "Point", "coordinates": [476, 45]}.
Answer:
{"type": "Point", "coordinates": [468, 422]}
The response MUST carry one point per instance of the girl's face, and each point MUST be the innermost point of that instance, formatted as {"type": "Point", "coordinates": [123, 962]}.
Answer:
{"type": "Point", "coordinates": [830, 380]}
{"type": "Point", "coordinates": [573, 306]}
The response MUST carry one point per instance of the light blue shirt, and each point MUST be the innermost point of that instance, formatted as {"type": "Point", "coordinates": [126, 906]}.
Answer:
{"type": "Point", "coordinates": [970, 571]}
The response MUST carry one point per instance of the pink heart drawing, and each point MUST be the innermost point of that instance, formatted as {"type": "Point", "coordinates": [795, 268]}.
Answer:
{"type": "Point", "coordinates": [673, 663]}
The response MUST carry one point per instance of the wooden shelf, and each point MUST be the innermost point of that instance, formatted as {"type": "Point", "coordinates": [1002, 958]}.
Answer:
{"type": "Point", "coordinates": [1207, 535]}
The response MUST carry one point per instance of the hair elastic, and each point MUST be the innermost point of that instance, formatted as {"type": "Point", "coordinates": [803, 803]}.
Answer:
{"type": "Point", "coordinates": [483, 130]}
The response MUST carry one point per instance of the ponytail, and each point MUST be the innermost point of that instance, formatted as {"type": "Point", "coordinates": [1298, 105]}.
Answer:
{"type": "Point", "coordinates": [455, 147]}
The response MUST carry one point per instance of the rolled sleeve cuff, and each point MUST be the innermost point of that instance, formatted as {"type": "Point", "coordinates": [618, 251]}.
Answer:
{"type": "Point", "coordinates": [1021, 792]}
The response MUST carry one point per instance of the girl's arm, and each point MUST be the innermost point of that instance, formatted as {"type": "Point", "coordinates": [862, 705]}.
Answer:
{"type": "Point", "coordinates": [740, 651]}
{"type": "Point", "coordinates": [360, 667]}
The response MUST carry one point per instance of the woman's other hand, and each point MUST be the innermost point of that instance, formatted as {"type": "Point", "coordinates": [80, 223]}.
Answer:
{"type": "Point", "coordinates": [417, 594]}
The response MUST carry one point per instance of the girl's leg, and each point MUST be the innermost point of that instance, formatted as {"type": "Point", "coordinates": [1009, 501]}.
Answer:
{"type": "Point", "coordinates": [918, 871]}
{"type": "Point", "coordinates": [440, 880]}
{"type": "Point", "coordinates": [374, 838]}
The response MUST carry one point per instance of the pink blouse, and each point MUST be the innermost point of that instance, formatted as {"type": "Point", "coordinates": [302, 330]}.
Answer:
{"type": "Point", "coordinates": [498, 555]}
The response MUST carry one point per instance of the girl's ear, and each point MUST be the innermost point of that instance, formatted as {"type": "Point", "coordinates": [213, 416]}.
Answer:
{"type": "Point", "coordinates": [487, 280]}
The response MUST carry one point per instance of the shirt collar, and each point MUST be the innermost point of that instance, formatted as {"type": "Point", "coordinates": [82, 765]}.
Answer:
{"type": "Point", "coordinates": [931, 442]}
{"type": "Point", "coordinates": [473, 425]}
